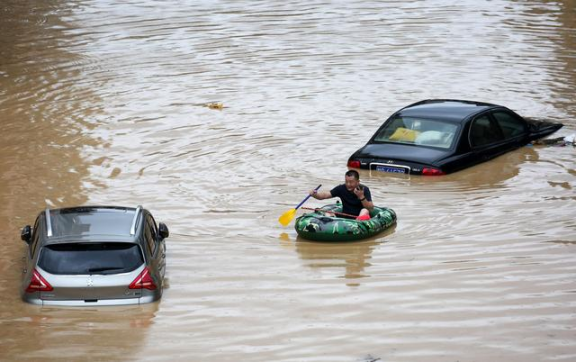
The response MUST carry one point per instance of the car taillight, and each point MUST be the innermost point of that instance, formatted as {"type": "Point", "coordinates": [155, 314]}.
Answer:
{"type": "Point", "coordinates": [354, 163]}
{"type": "Point", "coordinates": [38, 283]}
{"type": "Point", "coordinates": [144, 280]}
{"type": "Point", "coordinates": [431, 171]}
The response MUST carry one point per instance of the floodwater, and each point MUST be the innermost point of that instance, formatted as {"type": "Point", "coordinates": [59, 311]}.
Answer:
{"type": "Point", "coordinates": [104, 102]}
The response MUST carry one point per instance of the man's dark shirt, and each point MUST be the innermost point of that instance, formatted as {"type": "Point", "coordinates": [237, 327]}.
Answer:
{"type": "Point", "coordinates": [351, 204]}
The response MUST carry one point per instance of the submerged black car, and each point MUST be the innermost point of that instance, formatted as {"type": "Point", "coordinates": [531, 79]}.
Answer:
{"type": "Point", "coordinates": [440, 136]}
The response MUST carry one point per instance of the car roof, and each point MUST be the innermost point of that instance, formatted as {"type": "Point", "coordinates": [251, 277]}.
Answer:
{"type": "Point", "coordinates": [453, 110]}
{"type": "Point", "coordinates": [91, 223]}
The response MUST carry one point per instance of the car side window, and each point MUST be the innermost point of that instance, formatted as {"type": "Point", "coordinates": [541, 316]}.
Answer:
{"type": "Point", "coordinates": [484, 132]}
{"type": "Point", "coordinates": [510, 125]}
{"type": "Point", "coordinates": [153, 227]}
{"type": "Point", "coordinates": [35, 237]}
{"type": "Point", "coordinates": [150, 244]}
{"type": "Point", "coordinates": [151, 234]}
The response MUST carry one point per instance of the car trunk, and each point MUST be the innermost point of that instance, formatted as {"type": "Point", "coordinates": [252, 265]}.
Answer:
{"type": "Point", "coordinates": [90, 288]}
{"type": "Point", "coordinates": [401, 153]}
{"type": "Point", "coordinates": [90, 272]}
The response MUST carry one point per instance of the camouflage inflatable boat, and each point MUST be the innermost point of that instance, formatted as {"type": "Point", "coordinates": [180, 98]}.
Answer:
{"type": "Point", "coordinates": [318, 226]}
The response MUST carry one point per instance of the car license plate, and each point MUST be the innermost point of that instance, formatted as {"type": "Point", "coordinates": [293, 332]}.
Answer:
{"type": "Point", "coordinates": [390, 169]}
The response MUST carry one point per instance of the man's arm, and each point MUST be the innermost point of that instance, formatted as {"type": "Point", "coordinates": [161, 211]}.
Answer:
{"type": "Point", "coordinates": [321, 195]}
{"type": "Point", "coordinates": [367, 204]}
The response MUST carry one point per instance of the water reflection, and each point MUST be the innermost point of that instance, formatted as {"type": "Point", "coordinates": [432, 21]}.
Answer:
{"type": "Point", "coordinates": [353, 257]}
{"type": "Point", "coordinates": [112, 333]}
{"type": "Point", "coordinates": [492, 174]}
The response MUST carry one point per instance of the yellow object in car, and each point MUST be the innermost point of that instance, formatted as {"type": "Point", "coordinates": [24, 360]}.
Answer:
{"type": "Point", "coordinates": [404, 134]}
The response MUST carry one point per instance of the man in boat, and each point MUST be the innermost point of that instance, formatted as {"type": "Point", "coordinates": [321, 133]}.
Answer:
{"type": "Point", "coordinates": [356, 198]}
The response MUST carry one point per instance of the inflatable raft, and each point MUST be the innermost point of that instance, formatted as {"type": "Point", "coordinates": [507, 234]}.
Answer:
{"type": "Point", "coordinates": [318, 226]}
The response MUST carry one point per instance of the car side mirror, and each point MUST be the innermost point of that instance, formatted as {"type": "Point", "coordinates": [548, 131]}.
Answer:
{"type": "Point", "coordinates": [26, 234]}
{"type": "Point", "coordinates": [163, 230]}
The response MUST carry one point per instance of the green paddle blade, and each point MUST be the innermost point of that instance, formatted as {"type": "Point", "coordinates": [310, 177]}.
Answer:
{"type": "Point", "coordinates": [287, 217]}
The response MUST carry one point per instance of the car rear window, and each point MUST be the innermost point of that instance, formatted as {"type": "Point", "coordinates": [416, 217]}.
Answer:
{"type": "Point", "coordinates": [90, 258]}
{"type": "Point", "coordinates": [417, 131]}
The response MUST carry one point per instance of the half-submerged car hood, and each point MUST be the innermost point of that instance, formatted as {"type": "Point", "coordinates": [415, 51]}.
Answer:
{"type": "Point", "coordinates": [397, 152]}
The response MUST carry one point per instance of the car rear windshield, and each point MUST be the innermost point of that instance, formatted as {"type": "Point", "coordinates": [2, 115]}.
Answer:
{"type": "Point", "coordinates": [90, 258]}
{"type": "Point", "coordinates": [418, 131]}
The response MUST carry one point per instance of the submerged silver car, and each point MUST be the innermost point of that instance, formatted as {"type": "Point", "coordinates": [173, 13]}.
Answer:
{"type": "Point", "coordinates": [94, 255]}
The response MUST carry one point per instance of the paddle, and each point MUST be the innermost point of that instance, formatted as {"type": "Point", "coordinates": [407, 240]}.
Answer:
{"type": "Point", "coordinates": [289, 215]}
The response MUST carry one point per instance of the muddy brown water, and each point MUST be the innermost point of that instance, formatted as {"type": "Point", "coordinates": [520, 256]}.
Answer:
{"type": "Point", "coordinates": [102, 102]}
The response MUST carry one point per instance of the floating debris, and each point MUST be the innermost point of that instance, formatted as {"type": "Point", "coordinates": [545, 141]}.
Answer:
{"type": "Point", "coordinates": [559, 141]}
{"type": "Point", "coordinates": [369, 358]}
{"type": "Point", "coordinates": [215, 105]}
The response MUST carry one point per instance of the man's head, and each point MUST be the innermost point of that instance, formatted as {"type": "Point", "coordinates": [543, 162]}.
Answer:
{"type": "Point", "coordinates": [352, 180]}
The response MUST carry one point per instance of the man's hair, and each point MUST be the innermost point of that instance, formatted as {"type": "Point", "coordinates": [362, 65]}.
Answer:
{"type": "Point", "coordinates": [353, 173]}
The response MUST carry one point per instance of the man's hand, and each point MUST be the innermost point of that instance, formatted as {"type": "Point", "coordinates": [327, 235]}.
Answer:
{"type": "Point", "coordinates": [359, 192]}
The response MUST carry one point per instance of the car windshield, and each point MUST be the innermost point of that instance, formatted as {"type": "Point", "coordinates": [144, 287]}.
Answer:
{"type": "Point", "coordinates": [418, 131]}
{"type": "Point", "coordinates": [90, 258]}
